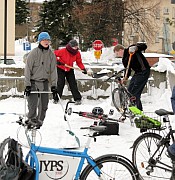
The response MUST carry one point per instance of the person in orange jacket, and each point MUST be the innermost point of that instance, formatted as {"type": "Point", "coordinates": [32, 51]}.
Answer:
{"type": "Point", "coordinates": [67, 56]}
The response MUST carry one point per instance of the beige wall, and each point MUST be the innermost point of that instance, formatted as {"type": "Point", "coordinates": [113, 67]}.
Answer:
{"type": "Point", "coordinates": [161, 42]}
{"type": "Point", "coordinates": [164, 40]}
{"type": "Point", "coordinates": [10, 27]}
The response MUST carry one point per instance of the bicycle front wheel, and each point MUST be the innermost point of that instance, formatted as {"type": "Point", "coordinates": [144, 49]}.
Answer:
{"type": "Point", "coordinates": [151, 162]}
{"type": "Point", "coordinates": [111, 167]}
{"type": "Point", "coordinates": [119, 99]}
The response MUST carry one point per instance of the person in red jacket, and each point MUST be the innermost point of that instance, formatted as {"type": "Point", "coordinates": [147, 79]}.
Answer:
{"type": "Point", "coordinates": [66, 57]}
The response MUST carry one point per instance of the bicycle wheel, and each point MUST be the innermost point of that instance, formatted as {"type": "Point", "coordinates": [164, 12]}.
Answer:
{"type": "Point", "coordinates": [151, 164]}
{"type": "Point", "coordinates": [118, 99]}
{"type": "Point", "coordinates": [112, 167]}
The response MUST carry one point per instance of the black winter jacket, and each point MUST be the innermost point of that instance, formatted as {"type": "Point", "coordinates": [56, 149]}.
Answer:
{"type": "Point", "coordinates": [138, 61]}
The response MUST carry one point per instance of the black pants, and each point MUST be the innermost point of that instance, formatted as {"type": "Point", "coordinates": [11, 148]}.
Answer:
{"type": "Point", "coordinates": [70, 77]}
{"type": "Point", "coordinates": [137, 84]}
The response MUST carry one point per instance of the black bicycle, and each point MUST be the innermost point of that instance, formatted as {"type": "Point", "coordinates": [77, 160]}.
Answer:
{"type": "Point", "coordinates": [150, 154]}
{"type": "Point", "coordinates": [121, 97]}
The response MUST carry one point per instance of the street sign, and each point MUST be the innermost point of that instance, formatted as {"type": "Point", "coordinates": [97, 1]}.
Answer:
{"type": "Point", "coordinates": [97, 45]}
{"type": "Point", "coordinates": [97, 54]}
{"type": "Point", "coordinates": [27, 46]}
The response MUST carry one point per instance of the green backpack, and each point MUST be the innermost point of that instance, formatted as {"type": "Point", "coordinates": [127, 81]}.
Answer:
{"type": "Point", "coordinates": [10, 159]}
{"type": "Point", "coordinates": [143, 121]}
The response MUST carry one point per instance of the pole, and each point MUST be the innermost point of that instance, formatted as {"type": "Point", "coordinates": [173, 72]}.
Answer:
{"type": "Point", "coordinates": [5, 32]}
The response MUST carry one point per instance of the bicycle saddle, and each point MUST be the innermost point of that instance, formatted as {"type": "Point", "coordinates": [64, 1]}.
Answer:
{"type": "Point", "coordinates": [163, 112]}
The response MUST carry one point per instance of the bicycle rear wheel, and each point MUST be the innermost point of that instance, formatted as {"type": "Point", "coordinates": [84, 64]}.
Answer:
{"type": "Point", "coordinates": [112, 167]}
{"type": "Point", "coordinates": [119, 99]}
{"type": "Point", "coordinates": [151, 166]}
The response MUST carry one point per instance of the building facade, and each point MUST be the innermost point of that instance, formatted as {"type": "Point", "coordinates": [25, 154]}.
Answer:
{"type": "Point", "coordinates": [165, 36]}
{"type": "Point", "coordinates": [164, 23]}
{"type": "Point", "coordinates": [10, 24]}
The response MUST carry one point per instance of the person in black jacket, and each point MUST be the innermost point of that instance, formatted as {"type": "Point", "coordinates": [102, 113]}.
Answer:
{"type": "Point", "coordinates": [138, 64]}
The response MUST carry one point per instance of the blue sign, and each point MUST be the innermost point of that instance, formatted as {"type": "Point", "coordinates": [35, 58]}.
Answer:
{"type": "Point", "coordinates": [27, 46]}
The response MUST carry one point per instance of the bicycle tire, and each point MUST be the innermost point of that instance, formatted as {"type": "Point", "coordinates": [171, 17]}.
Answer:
{"type": "Point", "coordinates": [118, 99]}
{"type": "Point", "coordinates": [112, 166]}
{"type": "Point", "coordinates": [143, 148]}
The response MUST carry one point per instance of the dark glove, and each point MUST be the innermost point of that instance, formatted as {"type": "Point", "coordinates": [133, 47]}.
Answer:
{"type": "Point", "coordinates": [27, 90]}
{"type": "Point", "coordinates": [60, 63]}
{"type": "Point", "coordinates": [55, 94]}
{"type": "Point", "coordinates": [84, 71]}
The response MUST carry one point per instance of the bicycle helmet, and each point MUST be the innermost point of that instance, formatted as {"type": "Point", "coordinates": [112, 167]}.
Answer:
{"type": "Point", "coordinates": [97, 111]}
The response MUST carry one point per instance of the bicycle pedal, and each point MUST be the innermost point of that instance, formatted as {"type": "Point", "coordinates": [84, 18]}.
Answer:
{"type": "Point", "coordinates": [29, 126]}
{"type": "Point", "coordinates": [19, 122]}
{"type": "Point", "coordinates": [122, 119]}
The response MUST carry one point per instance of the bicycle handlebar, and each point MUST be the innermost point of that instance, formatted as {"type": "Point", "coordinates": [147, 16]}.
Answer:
{"type": "Point", "coordinates": [96, 128]}
{"type": "Point", "coordinates": [115, 74]}
{"type": "Point", "coordinates": [20, 122]}
{"type": "Point", "coordinates": [41, 92]}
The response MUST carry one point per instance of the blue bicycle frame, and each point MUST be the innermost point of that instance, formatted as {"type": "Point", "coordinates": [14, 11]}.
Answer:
{"type": "Point", "coordinates": [32, 158]}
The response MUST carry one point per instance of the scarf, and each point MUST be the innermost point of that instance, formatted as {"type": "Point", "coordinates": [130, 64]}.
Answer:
{"type": "Point", "coordinates": [71, 50]}
{"type": "Point", "coordinates": [43, 48]}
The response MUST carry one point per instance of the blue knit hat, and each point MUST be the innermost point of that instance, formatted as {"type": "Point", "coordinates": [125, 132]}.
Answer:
{"type": "Point", "coordinates": [42, 36]}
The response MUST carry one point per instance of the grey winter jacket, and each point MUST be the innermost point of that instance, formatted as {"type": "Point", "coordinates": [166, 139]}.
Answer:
{"type": "Point", "coordinates": [41, 66]}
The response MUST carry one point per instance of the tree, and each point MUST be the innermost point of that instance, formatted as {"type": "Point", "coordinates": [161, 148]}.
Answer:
{"type": "Point", "coordinates": [104, 20]}
{"type": "Point", "coordinates": [139, 18]}
{"type": "Point", "coordinates": [56, 19]}
{"type": "Point", "coordinates": [99, 20]}
{"type": "Point", "coordinates": [21, 12]}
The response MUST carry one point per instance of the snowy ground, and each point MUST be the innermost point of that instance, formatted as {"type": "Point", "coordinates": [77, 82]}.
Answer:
{"type": "Point", "coordinates": [54, 134]}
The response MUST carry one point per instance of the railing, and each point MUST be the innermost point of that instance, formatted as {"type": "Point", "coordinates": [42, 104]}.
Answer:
{"type": "Point", "coordinates": [90, 88]}
{"type": "Point", "coordinates": [14, 86]}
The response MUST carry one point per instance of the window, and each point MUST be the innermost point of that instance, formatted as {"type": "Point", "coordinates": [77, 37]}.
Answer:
{"type": "Point", "coordinates": [172, 1]}
{"type": "Point", "coordinates": [173, 13]}
{"type": "Point", "coordinates": [166, 11]}
{"type": "Point", "coordinates": [173, 36]}
{"type": "Point", "coordinates": [157, 13]}
{"type": "Point", "coordinates": [157, 40]}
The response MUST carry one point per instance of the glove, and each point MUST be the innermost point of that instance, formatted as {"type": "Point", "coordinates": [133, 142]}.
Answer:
{"type": "Point", "coordinates": [124, 80]}
{"type": "Point", "coordinates": [60, 63]}
{"type": "Point", "coordinates": [84, 71]}
{"type": "Point", "coordinates": [54, 89]}
{"type": "Point", "coordinates": [27, 90]}
{"type": "Point", "coordinates": [55, 94]}
{"type": "Point", "coordinates": [132, 49]}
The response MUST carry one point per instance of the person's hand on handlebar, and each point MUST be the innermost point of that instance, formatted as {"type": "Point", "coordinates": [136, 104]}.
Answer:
{"type": "Point", "coordinates": [124, 80]}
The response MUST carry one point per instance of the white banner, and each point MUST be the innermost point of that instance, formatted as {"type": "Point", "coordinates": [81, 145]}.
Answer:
{"type": "Point", "coordinates": [57, 167]}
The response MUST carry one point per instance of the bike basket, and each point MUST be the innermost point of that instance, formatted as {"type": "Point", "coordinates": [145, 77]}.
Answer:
{"type": "Point", "coordinates": [143, 120]}
{"type": "Point", "coordinates": [147, 122]}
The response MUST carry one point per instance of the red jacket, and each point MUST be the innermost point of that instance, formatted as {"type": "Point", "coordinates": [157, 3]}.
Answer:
{"type": "Point", "coordinates": [64, 56]}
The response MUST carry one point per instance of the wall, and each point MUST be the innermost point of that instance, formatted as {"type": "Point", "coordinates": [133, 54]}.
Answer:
{"type": "Point", "coordinates": [10, 27]}
{"type": "Point", "coordinates": [162, 41]}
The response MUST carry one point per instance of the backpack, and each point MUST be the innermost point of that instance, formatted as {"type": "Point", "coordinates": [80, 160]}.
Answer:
{"type": "Point", "coordinates": [10, 159]}
{"type": "Point", "coordinates": [27, 173]}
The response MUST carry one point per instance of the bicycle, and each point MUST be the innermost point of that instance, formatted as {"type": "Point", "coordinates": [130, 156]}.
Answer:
{"type": "Point", "coordinates": [149, 154]}
{"type": "Point", "coordinates": [65, 163]}
{"type": "Point", "coordinates": [121, 97]}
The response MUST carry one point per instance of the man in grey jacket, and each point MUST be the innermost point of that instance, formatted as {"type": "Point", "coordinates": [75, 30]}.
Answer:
{"type": "Point", "coordinates": [40, 71]}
